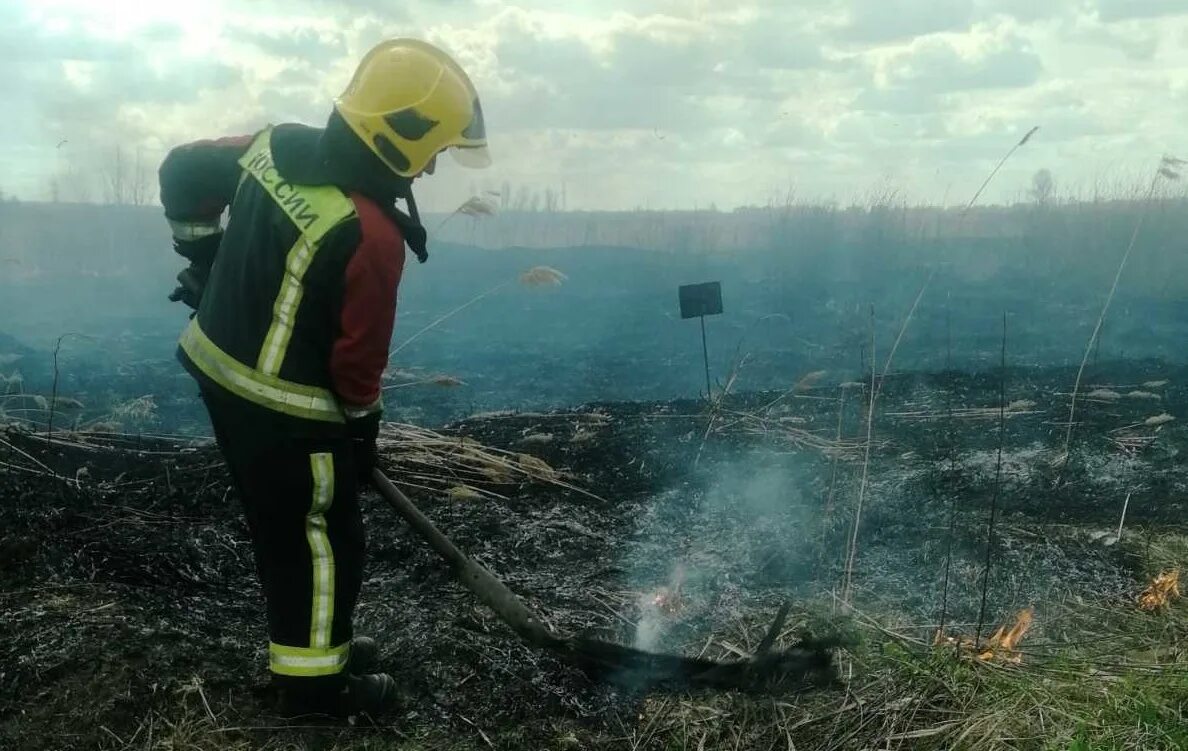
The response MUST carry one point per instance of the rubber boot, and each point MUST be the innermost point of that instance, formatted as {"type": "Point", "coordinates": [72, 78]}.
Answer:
{"type": "Point", "coordinates": [342, 696]}
{"type": "Point", "coordinates": [373, 695]}
{"type": "Point", "coordinates": [364, 655]}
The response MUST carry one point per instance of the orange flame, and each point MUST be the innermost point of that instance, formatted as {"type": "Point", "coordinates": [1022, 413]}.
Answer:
{"type": "Point", "coordinates": [1003, 645]}
{"type": "Point", "coordinates": [1004, 641]}
{"type": "Point", "coordinates": [1164, 588]}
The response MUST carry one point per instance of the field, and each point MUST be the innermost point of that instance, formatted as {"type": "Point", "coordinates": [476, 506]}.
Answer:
{"type": "Point", "coordinates": [130, 618]}
{"type": "Point", "coordinates": [996, 580]}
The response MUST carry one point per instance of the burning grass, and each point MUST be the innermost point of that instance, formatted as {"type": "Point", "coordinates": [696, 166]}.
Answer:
{"type": "Point", "coordinates": [1163, 591]}
{"type": "Point", "coordinates": [1122, 683]}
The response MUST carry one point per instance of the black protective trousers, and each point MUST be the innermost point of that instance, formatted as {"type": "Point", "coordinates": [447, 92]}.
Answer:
{"type": "Point", "coordinates": [300, 499]}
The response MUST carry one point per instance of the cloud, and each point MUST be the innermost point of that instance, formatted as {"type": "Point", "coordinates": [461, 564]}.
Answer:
{"type": "Point", "coordinates": [1136, 43]}
{"type": "Point", "coordinates": [22, 42]}
{"type": "Point", "coordinates": [647, 75]}
{"type": "Point", "coordinates": [304, 44]}
{"type": "Point", "coordinates": [664, 102]}
{"type": "Point", "coordinates": [1124, 10]}
{"type": "Point", "coordinates": [940, 65]}
{"type": "Point", "coordinates": [888, 21]}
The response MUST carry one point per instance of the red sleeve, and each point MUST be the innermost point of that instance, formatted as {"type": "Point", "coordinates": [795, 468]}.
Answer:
{"type": "Point", "coordinates": [360, 353]}
{"type": "Point", "coordinates": [198, 180]}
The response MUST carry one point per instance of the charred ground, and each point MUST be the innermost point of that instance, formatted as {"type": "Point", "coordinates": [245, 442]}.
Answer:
{"type": "Point", "coordinates": [131, 616]}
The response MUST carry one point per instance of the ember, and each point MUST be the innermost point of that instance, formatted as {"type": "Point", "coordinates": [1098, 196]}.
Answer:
{"type": "Point", "coordinates": [1164, 588]}
{"type": "Point", "coordinates": [656, 607]}
{"type": "Point", "coordinates": [667, 601]}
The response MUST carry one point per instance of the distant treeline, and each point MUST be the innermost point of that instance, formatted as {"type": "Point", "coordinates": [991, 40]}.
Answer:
{"type": "Point", "coordinates": [802, 287]}
{"type": "Point", "coordinates": [1066, 242]}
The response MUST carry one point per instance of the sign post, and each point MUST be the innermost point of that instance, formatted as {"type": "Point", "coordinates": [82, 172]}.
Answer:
{"type": "Point", "coordinates": [699, 301]}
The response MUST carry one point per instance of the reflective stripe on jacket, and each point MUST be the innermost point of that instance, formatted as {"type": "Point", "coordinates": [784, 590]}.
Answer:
{"type": "Point", "coordinates": [305, 275]}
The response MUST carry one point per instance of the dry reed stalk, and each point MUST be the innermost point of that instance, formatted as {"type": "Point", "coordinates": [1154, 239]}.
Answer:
{"type": "Point", "coordinates": [715, 404]}
{"type": "Point", "coordinates": [852, 550]}
{"type": "Point", "coordinates": [1021, 407]}
{"type": "Point", "coordinates": [891, 356]}
{"type": "Point", "coordinates": [1122, 521]}
{"type": "Point", "coordinates": [1022, 142]}
{"type": "Point", "coordinates": [474, 207]}
{"type": "Point", "coordinates": [833, 462]}
{"type": "Point", "coordinates": [537, 276]}
{"type": "Point", "coordinates": [1167, 168]}
{"type": "Point", "coordinates": [997, 484]}
{"type": "Point", "coordinates": [443, 462]}
{"type": "Point", "coordinates": [952, 450]}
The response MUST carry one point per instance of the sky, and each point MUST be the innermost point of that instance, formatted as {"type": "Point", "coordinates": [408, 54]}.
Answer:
{"type": "Point", "coordinates": [658, 104]}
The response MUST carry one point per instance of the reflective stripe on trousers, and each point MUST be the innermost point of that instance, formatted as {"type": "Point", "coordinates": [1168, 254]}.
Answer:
{"type": "Point", "coordinates": [319, 658]}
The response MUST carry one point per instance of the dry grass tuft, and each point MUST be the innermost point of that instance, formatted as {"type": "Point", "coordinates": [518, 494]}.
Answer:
{"type": "Point", "coordinates": [542, 276]}
{"type": "Point", "coordinates": [809, 381]}
{"type": "Point", "coordinates": [463, 493]}
{"type": "Point", "coordinates": [1142, 395]}
{"type": "Point", "coordinates": [420, 458]}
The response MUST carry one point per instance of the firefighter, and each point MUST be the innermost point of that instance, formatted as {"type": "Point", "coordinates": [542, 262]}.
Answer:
{"type": "Point", "coordinates": [294, 304]}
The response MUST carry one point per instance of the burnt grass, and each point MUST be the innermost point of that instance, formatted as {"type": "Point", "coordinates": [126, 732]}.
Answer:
{"type": "Point", "coordinates": [129, 608]}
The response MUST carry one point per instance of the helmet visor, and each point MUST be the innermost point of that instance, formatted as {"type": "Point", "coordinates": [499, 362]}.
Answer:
{"type": "Point", "coordinates": [475, 157]}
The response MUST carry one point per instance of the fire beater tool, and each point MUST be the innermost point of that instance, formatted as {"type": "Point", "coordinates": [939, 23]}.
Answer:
{"type": "Point", "coordinates": [807, 664]}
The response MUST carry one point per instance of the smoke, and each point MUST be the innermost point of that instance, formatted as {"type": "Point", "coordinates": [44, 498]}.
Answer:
{"type": "Point", "coordinates": [700, 555]}
{"type": "Point", "coordinates": [656, 610]}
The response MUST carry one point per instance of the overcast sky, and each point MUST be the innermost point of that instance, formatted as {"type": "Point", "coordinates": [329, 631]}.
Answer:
{"type": "Point", "coordinates": [651, 103]}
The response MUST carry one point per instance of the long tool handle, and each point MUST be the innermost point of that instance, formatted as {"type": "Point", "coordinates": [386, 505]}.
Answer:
{"type": "Point", "coordinates": [473, 576]}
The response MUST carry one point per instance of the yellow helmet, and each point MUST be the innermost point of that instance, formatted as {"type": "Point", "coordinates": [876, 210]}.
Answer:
{"type": "Point", "coordinates": [408, 101]}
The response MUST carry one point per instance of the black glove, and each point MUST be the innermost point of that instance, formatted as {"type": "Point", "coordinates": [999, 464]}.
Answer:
{"type": "Point", "coordinates": [192, 280]}
{"type": "Point", "coordinates": [201, 251]}
{"type": "Point", "coordinates": [417, 239]}
{"type": "Point", "coordinates": [363, 432]}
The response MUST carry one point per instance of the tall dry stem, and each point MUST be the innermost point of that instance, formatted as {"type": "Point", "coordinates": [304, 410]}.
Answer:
{"type": "Point", "coordinates": [1167, 169]}
{"type": "Point", "coordinates": [852, 550]}
{"type": "Point", "coordinates": [537, 276]}
{"type": "Point", "coordinates": [951, 447]}
{"type": "Point", "coordinates": [997, 484]}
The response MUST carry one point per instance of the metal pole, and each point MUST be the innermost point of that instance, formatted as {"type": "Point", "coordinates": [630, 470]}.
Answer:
{"type": "Point", "coordinates": [709, 394]}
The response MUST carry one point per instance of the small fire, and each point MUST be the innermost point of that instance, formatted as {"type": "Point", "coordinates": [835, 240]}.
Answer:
{"type": "Point", "coordinates": [1002, 646]}
{"type": "Point", "coordinates": [1164, 588]}
{"type": "Point", "coordinates": [1004, 641]}
{"type": "Point", "coordinates": [667, 601]}
{"type": "Point", "coordinates": [656, 608]}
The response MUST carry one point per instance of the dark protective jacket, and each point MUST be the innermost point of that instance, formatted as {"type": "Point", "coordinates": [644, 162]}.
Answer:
{"type": "Point", "coordinates": [297, 314]}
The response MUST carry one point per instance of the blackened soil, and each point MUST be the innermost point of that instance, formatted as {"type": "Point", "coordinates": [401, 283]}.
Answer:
{"type": "Point", "coordinates": [128, 595]}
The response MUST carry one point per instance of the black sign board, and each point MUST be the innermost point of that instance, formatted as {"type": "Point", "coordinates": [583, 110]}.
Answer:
{"type": "Point", "coordinates": [699, 300]}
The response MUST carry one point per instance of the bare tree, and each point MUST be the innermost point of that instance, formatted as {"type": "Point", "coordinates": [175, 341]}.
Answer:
{"type": "Point", "coordinates": [1042, 186]}
{"type": "Point", "coordinates": [125, 181]}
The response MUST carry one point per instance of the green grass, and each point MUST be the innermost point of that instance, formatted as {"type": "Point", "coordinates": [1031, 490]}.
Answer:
{"type": "Point", "coordinates": [1094, 677]}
